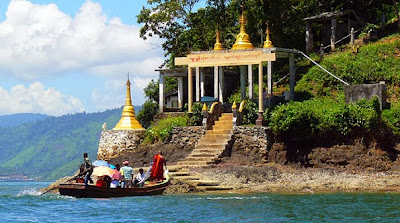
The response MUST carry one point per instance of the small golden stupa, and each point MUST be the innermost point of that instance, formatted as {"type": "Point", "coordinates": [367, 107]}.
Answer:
{"type": "Point", "coordinates": [128, 120]}
{"type": "Point", "coordinates": [267, 42]}
{"type": "Point", "coordinates": [218, 45]}
{"type": "Point", "coordinates": [242, 39]}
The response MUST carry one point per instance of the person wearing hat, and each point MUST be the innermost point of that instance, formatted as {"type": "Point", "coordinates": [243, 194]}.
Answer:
{"type": "Point", "coordinates": [127, 173]}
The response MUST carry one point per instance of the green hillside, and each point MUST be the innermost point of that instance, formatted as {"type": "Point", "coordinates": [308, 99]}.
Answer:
{"type": "Point", "coordinates": [53, 147]}
{"type": "Point", "coordinates": [369, 63]}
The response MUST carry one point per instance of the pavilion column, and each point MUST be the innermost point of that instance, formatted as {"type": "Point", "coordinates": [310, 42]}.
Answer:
{"type": "Point", "coordinates": [250, 79]}
{"type": "Point", "coordinates": [161, 94]}
{"type": "Point", "coordinates": [221, 84]}
{"type": "Point", "coordinates": [201, 83]}
{"type": "Point", "coordinates": [190, 89]}
{"type": "Point", "coordinates": [197, 83]}
{"type": "Point", "coordinates": [309, 38]}
{"type": "Point", "coordinates": [260, 119]}
{"type": "Point", "coordinates": [242, 82]}
{"type": "Point", "coordinates": [333, 33]}
{"type": "Point", "coordinates": [216, 82]}
{"type": "Point", "coordinates": [180, 92]}
{"type": "Point", "coordinates": [292, 73]}
{"type": "Point", "coordinates": [269, 78]}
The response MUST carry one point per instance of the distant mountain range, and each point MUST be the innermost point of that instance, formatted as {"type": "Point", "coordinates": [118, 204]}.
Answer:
{"type": "Point", "coordinates": [18, 119]}
{"type": "Point", "coordinates": [51, 147]}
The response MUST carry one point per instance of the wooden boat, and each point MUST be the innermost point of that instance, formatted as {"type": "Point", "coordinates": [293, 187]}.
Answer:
{"type": "Point", "coordinates": [79, 190]}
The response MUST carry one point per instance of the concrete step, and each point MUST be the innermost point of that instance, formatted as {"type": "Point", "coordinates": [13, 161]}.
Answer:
{"type": "Point", "coordinates": [215, 136]}
{"type": "Point", "coordinates": [219, 132]}
{"type": "Point", "coordinates": [209, 151]}
{"type": "Point", "coordinates": [194, 163]}
{"type": "Point", "coordinates": [203, 182]}
{"type": "Point", "coordinates": [204, 154]}
{"type": "Point", "coordinates": [179, 173]}
{"type": "Point", "coordinates": [212, 141]}
{"type": "Point", "coordinates": [200, 158]}
{"type": "Point", "coordinates": [213, 188]}
{"type": "Point", "coordinates": [186, 178]}
{"type": "Point", "coordinates": [211, 146]}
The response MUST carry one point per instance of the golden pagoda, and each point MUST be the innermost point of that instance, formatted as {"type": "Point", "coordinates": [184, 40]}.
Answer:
{"type": "Point", "coordinates": [267, 42]}
{"type": "Point", "coordinates": [128, 120]}
{"type": "Point", "coordinates": [218, 45]}
{"type": "Point", "coordinates": [242, 39]}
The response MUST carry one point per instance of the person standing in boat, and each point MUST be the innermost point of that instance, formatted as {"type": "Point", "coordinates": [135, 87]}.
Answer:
{"type": "Point", "coordinates": [87, 169]}
{"type": "Point", "coordinates": [127, 173]}
{"type": "Point", "coordinates": [157, 171]}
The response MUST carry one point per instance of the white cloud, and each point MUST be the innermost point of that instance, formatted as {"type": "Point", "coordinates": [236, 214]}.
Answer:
{"type": "Point", "coordinates": [40, 40]}
{"type": "Point", "coordinates": [114, 93]}
{"type": "Point", "coordinates": [37, 99]}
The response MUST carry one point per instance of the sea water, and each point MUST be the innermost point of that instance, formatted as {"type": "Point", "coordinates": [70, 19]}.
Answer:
{"type": "Point", "coordinates": [22, 202]}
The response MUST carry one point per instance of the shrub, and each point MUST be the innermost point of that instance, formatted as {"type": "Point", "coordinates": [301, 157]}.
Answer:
{"type": "Point", "coordinates": [162, 131]}
{"type": "Point", "coordinates": [196, 118]}
{"type": "Point", "coordinates": [391, 117]}
{"type": "Point", "coordinates": [323, 118]}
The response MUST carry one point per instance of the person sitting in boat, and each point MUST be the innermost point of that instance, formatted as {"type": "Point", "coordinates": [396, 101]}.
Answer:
{"type": "Point", "coordinates": [127, 173]}
{"type": "Point", "coordinates": [115, 180]}
{"type": "Point", "coordinates": [87, 169]}
{"type": "Point", "coordinates": [140, 179]}
{"type": "Point", "coordinates": [101, 182]}
{"type": "Point", "coordinates": [157, 171]}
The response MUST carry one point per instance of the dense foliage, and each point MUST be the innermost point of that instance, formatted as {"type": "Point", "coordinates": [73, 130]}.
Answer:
{"type": "Point", "coordinates": [184, 26]}
{"type": "Point", "coordinates": [53, 147]}
{"type": "Point", "coordinates": [161, 132]}
{"type": "Point", "coordinates": [323, 118]}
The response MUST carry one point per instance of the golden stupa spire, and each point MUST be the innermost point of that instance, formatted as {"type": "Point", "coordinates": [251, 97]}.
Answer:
{"type": "Point", "coordinates": [267, 42]}
{"type": "Point", "coordinates": [218, 45]}
{"type": "Point", "coordinates": [128, 120]}
{"type": "Point", "coordinates": [242, 39]}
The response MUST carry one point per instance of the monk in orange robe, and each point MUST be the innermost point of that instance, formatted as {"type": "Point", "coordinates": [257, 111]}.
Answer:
{"type": "Point", "coordinates": [157, 170]}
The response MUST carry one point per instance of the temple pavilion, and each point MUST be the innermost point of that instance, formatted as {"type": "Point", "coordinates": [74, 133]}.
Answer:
{"type": "Point", "coordinates": [192, 82]}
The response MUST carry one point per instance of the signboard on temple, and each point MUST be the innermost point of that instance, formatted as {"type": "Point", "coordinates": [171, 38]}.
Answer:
{"type": "Point", "coordinates": [227, 58]}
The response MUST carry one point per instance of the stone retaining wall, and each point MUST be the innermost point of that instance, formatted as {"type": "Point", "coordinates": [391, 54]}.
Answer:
{"type": "Point", "coordinates": [251, 144]}
{"type": "Point", "coordinates": [115, 142]}
{"type": "Point", "coordinates": [186, 136]}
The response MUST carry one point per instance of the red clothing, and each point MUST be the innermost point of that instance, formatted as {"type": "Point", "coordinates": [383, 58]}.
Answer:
{"type": "Point", "coordinates": [157, 171]}
{"type": "Point", "coordinates": [101, 183]}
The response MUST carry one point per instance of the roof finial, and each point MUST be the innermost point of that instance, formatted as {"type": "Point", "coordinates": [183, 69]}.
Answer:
{"type": "Point", "coordinates": [218, 45]}
{"type": "Point", "coordinates": [242, 39]}
{"type": "Point", "coordinates": [268, 42]}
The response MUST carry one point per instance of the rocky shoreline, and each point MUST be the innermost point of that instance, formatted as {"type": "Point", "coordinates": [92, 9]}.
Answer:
{"type": "Point", "coordinates": [276, 178]}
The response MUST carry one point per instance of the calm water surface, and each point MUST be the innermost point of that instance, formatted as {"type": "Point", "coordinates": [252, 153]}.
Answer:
{"type": "Point", "coordinates": [21, 202]}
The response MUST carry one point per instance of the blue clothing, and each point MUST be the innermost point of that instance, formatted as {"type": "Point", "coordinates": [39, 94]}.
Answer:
{"type": "Point", "coordinates": [127, 172]}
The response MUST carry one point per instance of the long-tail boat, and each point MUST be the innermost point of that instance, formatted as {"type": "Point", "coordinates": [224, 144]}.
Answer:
{"type": "Point", "coordinates": [80, 190]}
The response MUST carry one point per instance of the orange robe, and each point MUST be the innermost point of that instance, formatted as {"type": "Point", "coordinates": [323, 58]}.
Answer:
{"type": "Point", "coordinates": [157, 171]}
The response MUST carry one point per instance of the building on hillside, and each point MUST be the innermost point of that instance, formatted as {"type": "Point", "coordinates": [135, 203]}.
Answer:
{"type": "Point", "coordinates": [335, 26]}
{"type": "Point", "coordinates": [209, 78]}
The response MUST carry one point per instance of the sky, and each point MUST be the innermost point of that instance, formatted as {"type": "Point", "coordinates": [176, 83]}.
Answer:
{"type": "Point", "coordinates": [61, 57]}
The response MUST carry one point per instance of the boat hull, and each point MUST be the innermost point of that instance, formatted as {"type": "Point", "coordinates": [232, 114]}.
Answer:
{"type": "Point", "coordinates": [79, 190]}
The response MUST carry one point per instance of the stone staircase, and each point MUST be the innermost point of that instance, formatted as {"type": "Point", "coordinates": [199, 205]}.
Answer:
{"type": "Point", "coordinates": [207, 151]}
